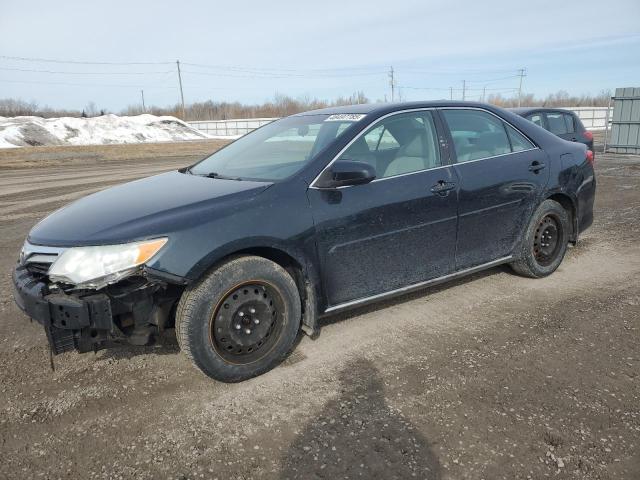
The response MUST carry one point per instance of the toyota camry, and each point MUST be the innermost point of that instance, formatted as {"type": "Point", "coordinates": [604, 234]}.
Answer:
{"type": "Point", "coordinates": [309, 215]}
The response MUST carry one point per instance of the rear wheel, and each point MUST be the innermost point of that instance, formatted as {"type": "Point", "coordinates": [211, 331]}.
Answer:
{"type": "Point", "coordinates": [241, 320]}
{"type": "Point", "coordinates": [544, 243]}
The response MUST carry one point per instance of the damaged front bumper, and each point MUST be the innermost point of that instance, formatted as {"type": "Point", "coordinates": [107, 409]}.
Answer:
{"type": "Point", "coordinates": [88, 320]}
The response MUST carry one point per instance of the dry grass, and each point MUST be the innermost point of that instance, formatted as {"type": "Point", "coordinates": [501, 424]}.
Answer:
{"type": "Point", "coordinates": [33, 157]}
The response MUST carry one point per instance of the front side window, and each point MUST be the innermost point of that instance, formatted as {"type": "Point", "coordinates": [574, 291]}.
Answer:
{"type": "Point", "coordinates": [380, 139]}
{"type": "Point", "coordinates": [476, 134]}
{"type": "Point", "coordinates": [275, 151]}
{"type": "Point", "coordinates": [399, 144]}
{"type": "Point", "coordinates": [557, 124]}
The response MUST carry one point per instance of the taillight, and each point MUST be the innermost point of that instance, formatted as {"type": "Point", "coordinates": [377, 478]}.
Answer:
{"type": "Point", "coordinates": [588, 135]}
{"type": "Point", "coordinates": [590, 157]}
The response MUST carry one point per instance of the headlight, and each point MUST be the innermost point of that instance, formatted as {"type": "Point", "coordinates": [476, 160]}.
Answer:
{"type": "Point", "coordinates": [94, 267]}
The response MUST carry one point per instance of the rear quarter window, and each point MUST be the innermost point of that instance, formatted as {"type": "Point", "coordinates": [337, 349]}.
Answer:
{"type": "Point", "coordinates": [519, 142]}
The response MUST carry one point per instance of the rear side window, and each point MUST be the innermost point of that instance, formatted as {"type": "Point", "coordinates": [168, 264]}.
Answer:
{"type": "Point", "coordinates": [557, 123]}
{"type": "Point", "coordinates": [568, 120]}
{"type": "Point", "coordinates": [476, 134]}
{"type": "Point", "coordinates": [536, 118]}
{"type": "Point", "coordinates": [518, 141]}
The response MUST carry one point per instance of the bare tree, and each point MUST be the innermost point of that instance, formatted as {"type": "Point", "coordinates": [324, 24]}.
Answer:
{"type": "Point", "coordinates": [559, 99]}
{"type": "Point", "coordinates": [280, 105]}
{"type": "Point", "coordinates": [91, 109]}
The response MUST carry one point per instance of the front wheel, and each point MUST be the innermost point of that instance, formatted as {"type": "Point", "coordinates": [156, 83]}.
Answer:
{"type": "Point", "coordinates": [241, 320]}
{"type": "Point", "coordinates": [544, 243]}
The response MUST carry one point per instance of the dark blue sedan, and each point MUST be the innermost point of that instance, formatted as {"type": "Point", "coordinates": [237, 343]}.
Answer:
{"type": "Point", "coordinates": [309, 215]}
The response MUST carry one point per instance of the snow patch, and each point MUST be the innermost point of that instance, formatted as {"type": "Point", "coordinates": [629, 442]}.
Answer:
{"type": "Point", "coordinates": [103, 130]}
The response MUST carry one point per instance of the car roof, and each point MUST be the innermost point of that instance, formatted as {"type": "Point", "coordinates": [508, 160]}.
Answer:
{"type": "Point", "coordinates": [382, 108]}
{"type": "Point", "coordinates": [526, 110]}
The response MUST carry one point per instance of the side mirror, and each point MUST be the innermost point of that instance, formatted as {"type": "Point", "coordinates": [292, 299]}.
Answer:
{"type": "Point", "coordinates": [347, 172]}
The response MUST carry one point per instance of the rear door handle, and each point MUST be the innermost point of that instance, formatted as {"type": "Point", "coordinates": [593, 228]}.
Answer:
{"type": "Point", "coordinates": [442, 188]}
{"type": "Point", "coordinates": [536, 166]}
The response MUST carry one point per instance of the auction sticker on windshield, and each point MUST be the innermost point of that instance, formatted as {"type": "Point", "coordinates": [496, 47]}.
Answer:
{"type": "Point", "coordinates": [345, 117]}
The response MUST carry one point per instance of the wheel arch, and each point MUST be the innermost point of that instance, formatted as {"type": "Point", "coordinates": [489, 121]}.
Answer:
{"type": "Point", "coordinates": [295, 263]}
{"type": "Point", "coordinates": [569, 204]}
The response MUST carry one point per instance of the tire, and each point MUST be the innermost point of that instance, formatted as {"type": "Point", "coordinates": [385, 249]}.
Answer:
{"type": "Point", "coordinates": [241, 320]}
{"type": "Point", "coordinates": [540, 255]}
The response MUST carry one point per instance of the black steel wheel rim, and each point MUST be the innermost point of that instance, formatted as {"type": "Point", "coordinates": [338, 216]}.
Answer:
{"type": "Point", "coordinates": [247, 322]}
{"type": "Point", "coordinates": [547, 240]}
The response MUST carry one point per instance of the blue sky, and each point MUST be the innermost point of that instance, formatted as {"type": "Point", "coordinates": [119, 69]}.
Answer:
{"type": "Point", "coordinates": [248, 51]}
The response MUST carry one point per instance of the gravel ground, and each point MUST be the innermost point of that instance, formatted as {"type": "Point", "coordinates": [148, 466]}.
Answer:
{"type": "Point", "coordinates": [494, 376]}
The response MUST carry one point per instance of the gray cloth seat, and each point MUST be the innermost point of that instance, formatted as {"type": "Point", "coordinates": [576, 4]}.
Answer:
{"type": "Point", "coordinates": [418, 154]}
{"type": "Point", "coordinates": [488, 144]}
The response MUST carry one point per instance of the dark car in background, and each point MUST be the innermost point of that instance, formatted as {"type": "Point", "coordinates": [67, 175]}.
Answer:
{"type": "Point", "coordinates": [563, 123]}
{"type": "Point", "coordinates": [309, 215]}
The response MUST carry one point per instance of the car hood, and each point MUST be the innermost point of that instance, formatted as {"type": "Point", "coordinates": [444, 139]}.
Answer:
{"type": "Point", "coordinates": [144, 208]}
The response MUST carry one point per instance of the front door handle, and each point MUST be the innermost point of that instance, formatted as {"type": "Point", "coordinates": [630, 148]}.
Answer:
{"type": "Point", "coordinates": [536, 166]}
{"type": "Point", "coordinates": [442, 188]}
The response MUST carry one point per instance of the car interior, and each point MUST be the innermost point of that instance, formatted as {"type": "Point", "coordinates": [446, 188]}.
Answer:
{"type": "Point", "coordinates": [399, 146]}
{"type": "Point", "coordinates": [476, 135]}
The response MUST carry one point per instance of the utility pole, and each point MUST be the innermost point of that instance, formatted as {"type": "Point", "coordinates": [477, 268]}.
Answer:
{"type": "Point", "coordinates": [181, 92]}
{"type": "Point", "coordinates": [484, 91]}
{"type": "Point", "coordinates": [464, 90]}
{"type": "Point", "coordinates": [450, 93]}
{"type": "Point", "coordinates": [144, 110]}
{"type": "Point", "coordinates": [392, 82]}
{"type": "Point", "coordinates": [521, 74]}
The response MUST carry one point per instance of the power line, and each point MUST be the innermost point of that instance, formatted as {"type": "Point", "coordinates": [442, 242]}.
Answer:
{"type": "Point", "coordinates": [457, 89]}
{"type": "Point", "coordinates": [235, 71]}
{"type": "Point", "coordinates": [493, 79]}
{"type": "Point", "coordinates": [421, 70]}
{"type": "Point", "coordinates": [36, 82]}
{"type": "Point", "coordinates": [347, 71]}
{"type": "Point", "coordinates": [79, 62]}
{"type": "Point", "coordinates": [249, 74]}
{"type": "Point", "coordinates": [30, 70]}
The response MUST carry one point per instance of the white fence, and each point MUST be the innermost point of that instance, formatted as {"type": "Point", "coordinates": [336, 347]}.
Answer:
{"type": "Point", "coordinates": [230, 128]}
{"type": "Point", "coordinates": [593, 118]}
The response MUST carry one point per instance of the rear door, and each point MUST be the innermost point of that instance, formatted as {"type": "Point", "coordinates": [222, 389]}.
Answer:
{"type": "Point", "coordinates": [502, 175]}
{"type": "Point", "coordinates": [399, 229]}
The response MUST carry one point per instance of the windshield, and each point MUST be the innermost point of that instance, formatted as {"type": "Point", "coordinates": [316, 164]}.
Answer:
{"type": "Point", "coordinates": [277, 150]}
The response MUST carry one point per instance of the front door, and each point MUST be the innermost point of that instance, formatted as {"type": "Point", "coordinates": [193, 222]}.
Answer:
{"type": "Point", "coordinates": [399, 229]}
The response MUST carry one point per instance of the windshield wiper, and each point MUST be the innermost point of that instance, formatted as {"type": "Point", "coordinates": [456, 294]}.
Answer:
{"type": "Point", "coordinates": [217, 175]}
